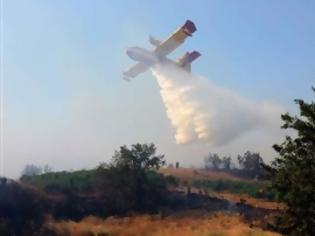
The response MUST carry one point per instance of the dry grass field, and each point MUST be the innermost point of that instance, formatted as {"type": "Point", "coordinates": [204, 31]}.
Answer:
{"type": "Point", "coordinates": [254, 202]}
{"type": "Point", "coordinates": [145, 225]}
{"type": "Point", "coordinates": [190, 174]}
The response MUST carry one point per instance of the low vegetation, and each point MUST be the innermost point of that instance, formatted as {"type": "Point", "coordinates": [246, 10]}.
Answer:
{"type": "Point", "coordinates": [63, 182]}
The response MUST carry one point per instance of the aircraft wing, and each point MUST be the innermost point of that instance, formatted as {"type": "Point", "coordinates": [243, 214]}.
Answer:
{"type": "Point", "coordinates": [176, 39]}
{"type": "Point", "coordinates": [135, 70]}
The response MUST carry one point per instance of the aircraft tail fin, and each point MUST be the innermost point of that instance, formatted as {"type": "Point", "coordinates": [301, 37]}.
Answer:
{"type": "Point", "coordinates": [154, 41]}
{"type": "Point", "coordinates": [186, 60]}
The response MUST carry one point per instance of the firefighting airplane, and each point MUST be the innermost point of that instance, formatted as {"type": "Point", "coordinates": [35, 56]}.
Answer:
{"type": "Point", "coordinates": [146, 58]}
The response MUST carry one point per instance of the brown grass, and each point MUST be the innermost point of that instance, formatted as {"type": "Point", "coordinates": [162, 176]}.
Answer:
{"type": "Point", "coordinates": [255, 202]}
{"type": "Point", "coordinates": [190, 174]}
{"type": "Point", "coordinates": [214, 225]}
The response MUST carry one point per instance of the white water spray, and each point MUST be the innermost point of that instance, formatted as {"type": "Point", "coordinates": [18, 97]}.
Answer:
{"type": "Point", "coordinates": [202, 111]}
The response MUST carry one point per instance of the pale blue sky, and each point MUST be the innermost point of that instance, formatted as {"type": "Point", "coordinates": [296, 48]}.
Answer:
{"type": "Point", "coordinates": [63, 62]}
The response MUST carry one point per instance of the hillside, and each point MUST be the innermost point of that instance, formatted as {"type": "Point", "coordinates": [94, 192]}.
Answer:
{"type": "Point", "coordinates": [193, 205]}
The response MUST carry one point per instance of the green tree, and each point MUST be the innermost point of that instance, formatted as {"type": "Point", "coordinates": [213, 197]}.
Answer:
{"type": "Point", "coordinates": [250, 163]}
{"type": "Point", "coordinates": [293, 172]}
{"type": "Point", "coordinates": [226, 162]}
{"type": "Point", "coordinates": [139, 157]}
{"type": "Point", "coordinates": [213, 161]}
{"type": "Point", "coordinates": [130, 181]}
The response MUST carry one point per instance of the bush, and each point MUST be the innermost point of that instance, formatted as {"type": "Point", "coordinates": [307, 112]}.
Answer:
{"type": "Point", "coordinates": [131, 183]}
{"type": "Point", "coordinates": [22, 209]}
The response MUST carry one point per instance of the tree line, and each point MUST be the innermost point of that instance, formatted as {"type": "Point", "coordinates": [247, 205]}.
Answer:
{"type": "Point", "coordinates": [248, 165]}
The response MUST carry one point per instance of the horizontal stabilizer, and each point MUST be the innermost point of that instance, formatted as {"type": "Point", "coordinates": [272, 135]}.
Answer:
{"type": "Point", "coordinates": [186, 60]}
{"type": "Point", "coordinates": [192, 56]}
{"type": "Point", "coordinates": [188, 57]}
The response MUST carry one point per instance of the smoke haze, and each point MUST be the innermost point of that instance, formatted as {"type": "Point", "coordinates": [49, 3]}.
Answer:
{"type": "Point", "coordinates": [202, 111]}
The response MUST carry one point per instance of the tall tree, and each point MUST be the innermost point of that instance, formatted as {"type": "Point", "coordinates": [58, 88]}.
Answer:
{"type": "Point", "coordinates": [227, 161]}
{"type": "Point", "coordinates": [251, 163]}
{"type": "Point", "coordinates": [293, 171]}
{"type": "Point", "coordinates": [131, 182]}
{"type": "Point", "coordinates": [213, 161]}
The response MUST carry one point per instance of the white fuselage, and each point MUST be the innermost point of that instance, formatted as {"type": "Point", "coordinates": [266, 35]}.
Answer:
{"type": "Point", "coordinates": [142, 55]}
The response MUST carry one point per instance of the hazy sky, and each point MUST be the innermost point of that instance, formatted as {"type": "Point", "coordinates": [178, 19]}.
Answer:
{"type": "Point", "coordinates": [66, 105]}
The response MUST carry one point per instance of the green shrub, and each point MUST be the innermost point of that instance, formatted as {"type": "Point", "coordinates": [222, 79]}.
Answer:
{"type": "Point", "coordinates": [63, 182]}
